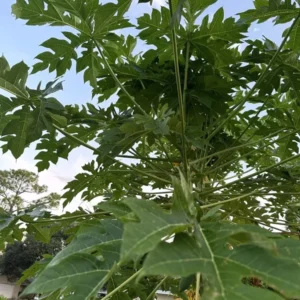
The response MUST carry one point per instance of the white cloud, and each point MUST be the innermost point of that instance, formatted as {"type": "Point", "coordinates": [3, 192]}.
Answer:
{"type": "Point", "coordinates": [256, 29]}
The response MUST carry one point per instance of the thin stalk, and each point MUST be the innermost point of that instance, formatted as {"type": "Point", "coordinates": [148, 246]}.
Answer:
{"type": "Point", "coordinates": [238, 147]}
{"type": "Point", "coordinates": [67, 218]}
{"type": "Point", "coordinates": [156, 288]}
{"type": "Point", "coordinates": [122, 285]}
{"type": "Point", "coordinates": [226, 201]}
{"type": "Point", "coordinates": [198, 286]}
{"type": "Point", "coordinates": [154, 166]}
{"type": "Point", "coordinates": [254, 174]}
{"type": "Point", "coordinates": [244, 131]}
{"type": "Point", "coordinates": [84, 144]}
{"type": "Point", "coordinates": [258, 82]}
{"type": "Point", "coordinates": [167, 154]}
{"type": "Point", "coordinates": [186, 70]}
{"type": "Point", "coordinates": [258, 194]}
{"type": "Point", "coordinates": [118, 82]}
{"type": "Point", "coordinates": [140, 157]}
{"type": "Point", "coordinates": [250, 152]}
{"type": "Point", "coordinates": [179, 92]}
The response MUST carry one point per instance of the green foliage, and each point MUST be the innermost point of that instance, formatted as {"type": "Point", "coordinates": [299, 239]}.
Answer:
{"type": "Point", "coordinates": [196, 156]}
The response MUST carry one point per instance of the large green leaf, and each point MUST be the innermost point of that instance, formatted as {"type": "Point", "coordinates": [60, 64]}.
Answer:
{"type": "Point", "coordinates": [284, 10]}
{"type": "Point", "coordinates": [18, 130]}
{"type": "Point", "coordinates": [7, 106]}
{"type": "Point", "coordinates": [40, 12]}
{"type": "Point", "coordinates": [109, 17]}
{"type": "Point", "coordinates": [226, 267]}
{"type": "Point", "coordinates": [13, 80]}
{"type": "Point", "coordinates": [61, 58]}
{"type": "Point", "coordinates": [155, 224]}
{"type": "Point", "coordinates": [75, 270]}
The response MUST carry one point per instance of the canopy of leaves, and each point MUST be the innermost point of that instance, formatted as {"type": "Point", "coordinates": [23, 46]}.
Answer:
{"type": "Point", "coordinates": [195, 142]}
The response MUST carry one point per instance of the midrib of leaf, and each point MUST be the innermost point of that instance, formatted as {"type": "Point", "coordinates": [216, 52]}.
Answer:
{"type": "Point", "coordinates": [256, 271]}
{"type": "Point", "coordinates": [212, 257]}
{"type": "Point", "coordinates": [22, 137]}
{"type": "Point", "coordinates": [154, 233]}
{"type": "Point", "coordinates": [278, 12]}
{"type": "Point", "coordinates": [11, 88]}
{"type": "Point", "coordinates": [149, 24]}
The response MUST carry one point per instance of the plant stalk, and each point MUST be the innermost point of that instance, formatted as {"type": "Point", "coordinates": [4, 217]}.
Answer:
{"type": "Point", "coordinates": [84, 144]}
{"type": "Point", "coordinates": [198, 286]}
{"type": "Point", "coordinates": [252, 175]}
{"type": "Point", "coordinates": [122, 285]}
{"type": "Point", "coordinates": [112, 73]}
{"type": "Point", "coordinates": [227, 201]}
{"type": "Point", "coordinates": [179, 92]}
{"type": "Point", "coordinates": [156, 288]}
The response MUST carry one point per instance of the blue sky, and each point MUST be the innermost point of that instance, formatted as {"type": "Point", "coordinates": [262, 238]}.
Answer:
{"type": "Point", "coordinates": [21, 42]}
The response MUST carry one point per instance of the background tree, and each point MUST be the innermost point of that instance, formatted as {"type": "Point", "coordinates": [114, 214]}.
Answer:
{"type": "Point", "coordinates": [19, 256]}
{"type": "Point", "coordinates": [15, 183]}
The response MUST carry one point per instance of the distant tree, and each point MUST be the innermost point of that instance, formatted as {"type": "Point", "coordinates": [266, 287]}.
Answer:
{"type": "Point", "coordinates": [15, 183]}
{"type": "Point", "coordinates": [19, 256]}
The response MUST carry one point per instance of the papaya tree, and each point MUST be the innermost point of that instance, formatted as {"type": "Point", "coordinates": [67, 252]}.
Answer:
{"type": "Point", "coordinates": [195, 139]}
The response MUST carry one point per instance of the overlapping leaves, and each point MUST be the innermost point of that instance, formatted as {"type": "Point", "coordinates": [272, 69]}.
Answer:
{"type": "Point", "coordinates": [261, 136]}
{"type": "Point", "coordinates": [225, 267]}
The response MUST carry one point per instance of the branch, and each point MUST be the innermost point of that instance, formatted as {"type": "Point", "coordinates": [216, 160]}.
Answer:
{"type": "Point", "coordinates": [111, 72]}
{"type": "Point", "coordinates": [252, 151]}
{"type": "Point", "coordinates": [150, 297]}
{"type": "Point", "coordinates": [122, 285]}
{"type": "Point", "coordinates": [227, 201]}
{"type": "Point", "coordinates": [84, 144]}
{"type": "Point", "coordinates": [240, 146]}
{"type": "Point", "coordinates": [251, 175]}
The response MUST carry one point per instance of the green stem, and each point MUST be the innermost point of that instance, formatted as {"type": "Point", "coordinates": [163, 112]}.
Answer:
{"type": "Point", "coordinates": [198, 286]}
{"type": "Point", "coordinates": [150, 297]}
{"type": "Point", "coordinates": [238, 147]}
{"type": "Point", "coordinates": [154, 166]}
{"type": "Point", "coordinates": [252, 175]}
{"type": "Point", "coordinates": [112, 73]}
{"type": "Point", "coordinates": [179, 92]}
{"type": "Point", "coordinates": [82, 143]}
{"type": "Point", "coordinates": [186, 70]}
{"type": "Point", "coordinates": [258, 82]}
{"type": "Point", "coordinates": [122, 285]}
{"type": "Point", "coordinates": [66, 218]}
{"type": "Point", "coordinates": [258, 194]}
{"type": "Point", "coordinates": [226, 201]}
{"type": "Point", "coordinates": [250, 152]}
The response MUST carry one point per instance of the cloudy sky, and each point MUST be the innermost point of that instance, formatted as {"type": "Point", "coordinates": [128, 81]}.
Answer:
{"type": "Point", "coordinates": [21, 42]}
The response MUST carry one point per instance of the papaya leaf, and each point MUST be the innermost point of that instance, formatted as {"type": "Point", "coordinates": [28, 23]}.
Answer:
{"type": "Point", "coordinates": [87, 274]}
{"type": "Point", "coordinates": [224, 267]}
{"type": "Point", "coordinates": [155, 224]}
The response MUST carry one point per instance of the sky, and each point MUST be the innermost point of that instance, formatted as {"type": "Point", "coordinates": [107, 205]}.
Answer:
{"type": "Point", "coordinates": [21, 42]}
